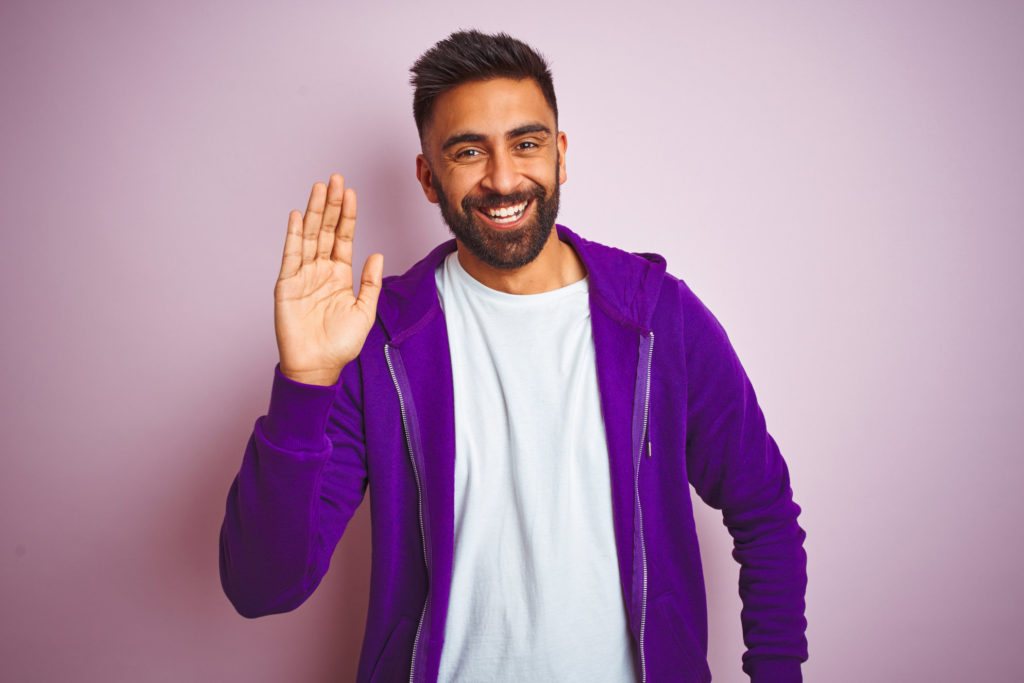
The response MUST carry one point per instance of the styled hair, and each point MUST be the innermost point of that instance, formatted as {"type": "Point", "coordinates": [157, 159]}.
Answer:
{"type": "Point", "coordinates": [466, 56]}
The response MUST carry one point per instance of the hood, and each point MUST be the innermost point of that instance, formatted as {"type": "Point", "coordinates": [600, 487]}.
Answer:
{"type": "Point", "coordinates": [626, 286]}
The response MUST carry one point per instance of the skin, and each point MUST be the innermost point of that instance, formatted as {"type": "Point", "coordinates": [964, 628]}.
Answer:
{"type": "Point", "coordinates": [494, 157]}
{"type": "Point", "coordinates": [320, 322]}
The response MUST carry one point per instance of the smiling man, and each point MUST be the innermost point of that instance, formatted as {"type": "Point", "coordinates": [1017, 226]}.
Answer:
{"type": "Point", "coordinates": [527, 449]}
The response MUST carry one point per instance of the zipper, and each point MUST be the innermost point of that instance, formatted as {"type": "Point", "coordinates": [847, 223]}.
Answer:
{"type": "Point", "coordinates": [419, 494]}
{"type": "Point", "coordinates": [640, 512]}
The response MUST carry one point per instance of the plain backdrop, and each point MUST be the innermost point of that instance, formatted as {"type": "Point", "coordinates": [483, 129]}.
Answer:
{"type": "Point", "coordinates": [842, 183]}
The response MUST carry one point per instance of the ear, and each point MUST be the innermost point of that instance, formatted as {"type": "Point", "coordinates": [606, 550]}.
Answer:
{"type": "Point", "coordinates": [563, 143]}
{"type": "Point", "coordinates": [426, 178]}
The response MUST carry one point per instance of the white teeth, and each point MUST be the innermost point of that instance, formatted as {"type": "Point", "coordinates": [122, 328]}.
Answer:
{"type": "Point", "coordinates": [510, 212]}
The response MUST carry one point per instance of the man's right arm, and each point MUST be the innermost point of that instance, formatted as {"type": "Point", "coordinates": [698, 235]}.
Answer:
{"type": "Point", "coordinates": [304, 472]}
{"type": "Point", "coordinates": [302, 477]}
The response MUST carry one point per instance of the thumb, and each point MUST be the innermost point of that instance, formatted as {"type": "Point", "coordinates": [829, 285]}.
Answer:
{"type": "Point", "coordinates": [370, 282]}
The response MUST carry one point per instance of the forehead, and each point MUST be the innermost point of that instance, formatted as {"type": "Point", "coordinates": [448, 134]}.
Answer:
{"type": "Point", "coordinates": [491, 107]}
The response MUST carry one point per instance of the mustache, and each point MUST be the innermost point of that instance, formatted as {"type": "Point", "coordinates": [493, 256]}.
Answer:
{"type": "Point", "coordinates": [492, 201]}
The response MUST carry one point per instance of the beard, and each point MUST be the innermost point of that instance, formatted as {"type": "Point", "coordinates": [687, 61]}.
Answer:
{"type": "Point", "coordinates": [505, 249]}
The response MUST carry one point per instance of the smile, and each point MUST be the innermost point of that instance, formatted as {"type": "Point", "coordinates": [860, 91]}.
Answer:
{"type": "Point", "coordinates": [505, 215]}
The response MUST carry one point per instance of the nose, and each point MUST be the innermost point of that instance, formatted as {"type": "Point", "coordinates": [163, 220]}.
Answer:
{"type": "Point", "coordinates": [502, 175]}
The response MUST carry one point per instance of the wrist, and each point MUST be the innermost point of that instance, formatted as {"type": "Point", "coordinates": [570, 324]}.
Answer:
{"type": "Point", "coordinates": [321, 378]}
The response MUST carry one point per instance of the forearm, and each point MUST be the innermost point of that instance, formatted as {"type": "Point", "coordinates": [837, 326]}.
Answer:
{"type": "Point", "coordinates": [758, 509]}
{"type": "Point", "coordinates": [266, 539]}
{"type": "Point", "coordinates": [768, 544]}
{"type": "Point", "coordinates": [289, 503]}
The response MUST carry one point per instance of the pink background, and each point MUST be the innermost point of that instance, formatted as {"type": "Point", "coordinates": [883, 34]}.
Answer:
{"type": "Point", "coordinates": [841, 182]}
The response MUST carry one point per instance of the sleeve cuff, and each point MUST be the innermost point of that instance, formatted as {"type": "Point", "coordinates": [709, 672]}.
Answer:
{"type": "Point", "coordinates": [778, 670]}
{"type": "Point", "coordinates": [297, 417]}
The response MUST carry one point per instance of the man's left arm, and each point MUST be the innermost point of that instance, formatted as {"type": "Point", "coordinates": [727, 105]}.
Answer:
{"type": "Point", "coordinates": [735, 466]}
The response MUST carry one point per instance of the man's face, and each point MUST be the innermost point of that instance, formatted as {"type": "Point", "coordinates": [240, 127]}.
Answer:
{"type": "Point", "coordinates": [493, 160]}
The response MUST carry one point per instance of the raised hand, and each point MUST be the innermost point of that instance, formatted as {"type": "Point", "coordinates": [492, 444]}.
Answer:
{"type": "Point", "coordinates": [320, 322]}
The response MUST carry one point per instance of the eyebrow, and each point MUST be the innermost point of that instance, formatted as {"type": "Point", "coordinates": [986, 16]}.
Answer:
{"type": "Point", "coordinates": [514, 133]}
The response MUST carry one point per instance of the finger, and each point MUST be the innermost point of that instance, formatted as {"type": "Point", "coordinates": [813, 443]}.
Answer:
{"type": "Point", "coordinates": [370, 283]}
{"type": "Point", "coordinates": [325, 241]}
{"type": "Point", "coordinates": [292, 258]}
{"type": "Point", "coordinates": [346, 229]}
{"type": "Point", "coordinates": [312, 220]}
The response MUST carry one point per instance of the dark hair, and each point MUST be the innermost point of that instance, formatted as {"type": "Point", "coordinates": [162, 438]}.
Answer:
{"type": "Point", "coordinates": [473, 56]}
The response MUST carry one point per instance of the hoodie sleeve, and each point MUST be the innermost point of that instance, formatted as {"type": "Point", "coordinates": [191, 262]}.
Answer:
{"type": "Point", "coordinates": [735, 466]}
{"type": "Point", "coordinates": [302, 477]}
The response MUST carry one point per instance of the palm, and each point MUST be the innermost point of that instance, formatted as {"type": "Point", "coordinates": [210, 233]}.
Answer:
{"type": "Point", "coordinates": [321, 323]}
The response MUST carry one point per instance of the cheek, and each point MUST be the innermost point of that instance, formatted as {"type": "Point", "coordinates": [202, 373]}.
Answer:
{"type": "Point", "coordinates": [460, 181]}
{"type": "Point", "coordinates": [545, 173]}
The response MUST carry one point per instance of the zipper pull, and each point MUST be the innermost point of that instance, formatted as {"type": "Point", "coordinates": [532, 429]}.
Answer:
{"type": "Point", "coordinates": [648, 447]}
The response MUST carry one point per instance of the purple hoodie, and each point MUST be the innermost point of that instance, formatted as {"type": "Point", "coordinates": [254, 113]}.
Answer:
{"type": "Point", "coordinates": [678, 411]}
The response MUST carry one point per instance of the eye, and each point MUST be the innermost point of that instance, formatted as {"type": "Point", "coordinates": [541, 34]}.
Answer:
{"type": "Point", "coordinates": [526, 144]}
{"type": "Point", "coordinates": [467, 153]}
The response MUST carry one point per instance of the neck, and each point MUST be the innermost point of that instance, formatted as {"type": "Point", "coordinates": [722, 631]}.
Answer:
{"type": "Point", "coordinates": [558, 265]}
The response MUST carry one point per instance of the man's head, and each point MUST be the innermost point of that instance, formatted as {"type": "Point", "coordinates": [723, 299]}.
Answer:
{"type": "Point", "coordinates": [466, 56]}
{"type": "Point", "coordinates": [492, 156]}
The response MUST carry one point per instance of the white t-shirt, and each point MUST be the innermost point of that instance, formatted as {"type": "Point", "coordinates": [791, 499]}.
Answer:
{"type": "Point", "coordinates": [535, 590]}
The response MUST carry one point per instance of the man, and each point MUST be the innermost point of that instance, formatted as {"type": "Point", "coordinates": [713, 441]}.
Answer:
{"type": "Point", "coordinates": [527, 447]}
